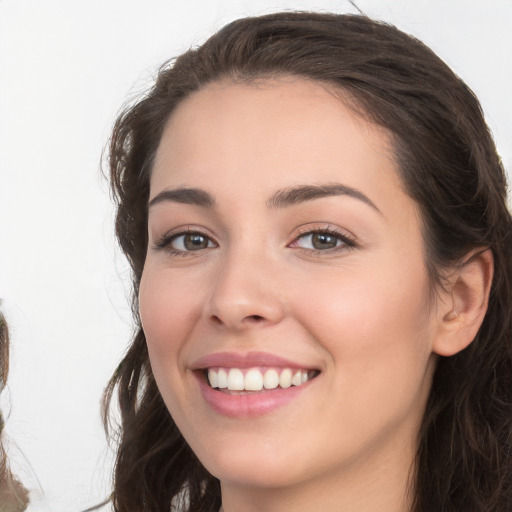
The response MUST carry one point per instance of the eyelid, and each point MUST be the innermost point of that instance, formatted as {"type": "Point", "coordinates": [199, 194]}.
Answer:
{"type": "Point", "coordinates": [348, 239]}
{"type": "Point", "coordinates": [162, 243]}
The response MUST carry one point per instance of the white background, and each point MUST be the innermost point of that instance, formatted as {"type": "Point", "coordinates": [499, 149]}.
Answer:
{"type": "Point", "coordinates": [66, 67]}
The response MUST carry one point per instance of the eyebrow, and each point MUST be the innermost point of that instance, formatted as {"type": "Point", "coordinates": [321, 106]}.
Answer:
{"type": "Point", "coordinates": [193, 196]}
{"type": "Point", "coordinates": [281, 199]}
{"type": "Point", "coordinates": [295, 195]}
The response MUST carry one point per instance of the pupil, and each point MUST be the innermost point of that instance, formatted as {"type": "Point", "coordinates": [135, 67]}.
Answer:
{"type": "Point", "coordinates": [195, 242]}
{"type": "Point", "coordinates": [324, 241]}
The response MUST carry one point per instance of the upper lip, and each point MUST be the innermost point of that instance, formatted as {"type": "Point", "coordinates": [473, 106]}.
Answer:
{"type": "Point", "coordinates": [246, 360]}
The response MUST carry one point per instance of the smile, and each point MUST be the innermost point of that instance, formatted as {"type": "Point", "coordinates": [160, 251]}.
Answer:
{"type": "Point", "coordinates": [252, 384]}
{"type": "Point", "coordinates": [257, 379]}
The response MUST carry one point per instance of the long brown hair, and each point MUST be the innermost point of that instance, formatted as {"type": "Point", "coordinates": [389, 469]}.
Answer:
{"type": "Point", "coordinates": [449, 167]}
{"type": "Point", "coordinates": [4, 370]}
{"type": "Point", "coordinates": [13, 496]}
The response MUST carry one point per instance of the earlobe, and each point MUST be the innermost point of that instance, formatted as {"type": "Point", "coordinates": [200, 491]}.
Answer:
{"type": "Point", "coordinates": [462, 314]}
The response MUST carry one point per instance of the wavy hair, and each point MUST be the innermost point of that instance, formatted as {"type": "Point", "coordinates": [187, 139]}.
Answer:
{"type": "Point", "coordinates": [13, 496]}
{"type": "Point", "coordinates": [448, 165]}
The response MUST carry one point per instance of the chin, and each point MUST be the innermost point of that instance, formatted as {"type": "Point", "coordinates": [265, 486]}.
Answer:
{"type": "Point", "coordinates": [257, 463]}
{"type": "Point", "coordinates": [255, 474]}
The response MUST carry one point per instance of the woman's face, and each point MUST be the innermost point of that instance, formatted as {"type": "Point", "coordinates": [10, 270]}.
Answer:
{"type": "Point", "coordinates": [284, 252]}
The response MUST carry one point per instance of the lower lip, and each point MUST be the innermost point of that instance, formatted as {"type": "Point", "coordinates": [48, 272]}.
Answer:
{"type": "Point", "coordinates": [250, 405]}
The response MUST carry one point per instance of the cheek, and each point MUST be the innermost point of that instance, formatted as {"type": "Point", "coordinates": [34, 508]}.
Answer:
{"type": "Point", "coordinates": [168, 312]}
{"type": "Point", "coordinates": [364, 317]}
{"type": "Point", "coordinates": [374, 331]}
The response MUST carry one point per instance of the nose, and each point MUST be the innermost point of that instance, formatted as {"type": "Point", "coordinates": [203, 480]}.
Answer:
{"type": "Point", "coordinates": [246, 294]}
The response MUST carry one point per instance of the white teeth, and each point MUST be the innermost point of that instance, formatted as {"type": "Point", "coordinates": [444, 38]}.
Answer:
{"type": "Point", "coordinates": [235, 380]}
{"type": "Point", "coordinates": [256, 379]}
{"type": "Point", "coordinates": [271, 379]}
{"type": "Point", "coordinates": [297, 378]}
{"type": "Point", "coordinates": [213, 378]}
{"type": "Point", "coordinates": [285, 379]}
{"type": "Point", "coordinates": [253, 380]}
{"type": "Point", "coordinates": [222, 378]}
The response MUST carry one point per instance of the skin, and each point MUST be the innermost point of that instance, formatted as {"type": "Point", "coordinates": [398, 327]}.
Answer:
{"type": "Point", "coordinates": [360, 313]}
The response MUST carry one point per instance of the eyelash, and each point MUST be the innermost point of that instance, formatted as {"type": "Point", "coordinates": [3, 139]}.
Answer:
{"type": "Point", "coordinates": [165, 242]}
{"type": "Point", "coordinates": [347, 242]}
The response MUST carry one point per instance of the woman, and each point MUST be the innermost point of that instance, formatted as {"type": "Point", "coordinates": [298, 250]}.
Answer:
{"type": "Point", "coordinates": [315, 216]}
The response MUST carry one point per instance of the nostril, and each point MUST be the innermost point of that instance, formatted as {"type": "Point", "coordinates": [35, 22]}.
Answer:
{"type": "Point", "coordinates": [254, 318]}
{"type": "Point", "coordinates": [248, 319]}
{"type": "Point", "coordinates": [216, 320]}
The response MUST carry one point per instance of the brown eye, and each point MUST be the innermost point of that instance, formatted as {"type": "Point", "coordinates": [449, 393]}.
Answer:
{"type": "Point", "coordinates": [191, 242]}
{"type": "Point", "coordinates": [324, 241]}
{"type": "Point", "coordinates": [320, 241]}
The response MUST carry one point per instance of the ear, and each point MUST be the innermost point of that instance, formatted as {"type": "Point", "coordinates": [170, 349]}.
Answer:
{"type": "Point", "coordinates": [462, 310]}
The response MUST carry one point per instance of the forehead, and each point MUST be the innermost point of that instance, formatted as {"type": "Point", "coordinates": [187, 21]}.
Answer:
{"type": "Point", "coordinates": [272, 134]}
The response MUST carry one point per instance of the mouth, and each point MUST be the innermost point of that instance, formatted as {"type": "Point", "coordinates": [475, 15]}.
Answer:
{"type": "Point", "coordinates": [256, 379]}
{"type": "Point", "coordinates": [253, 384]}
